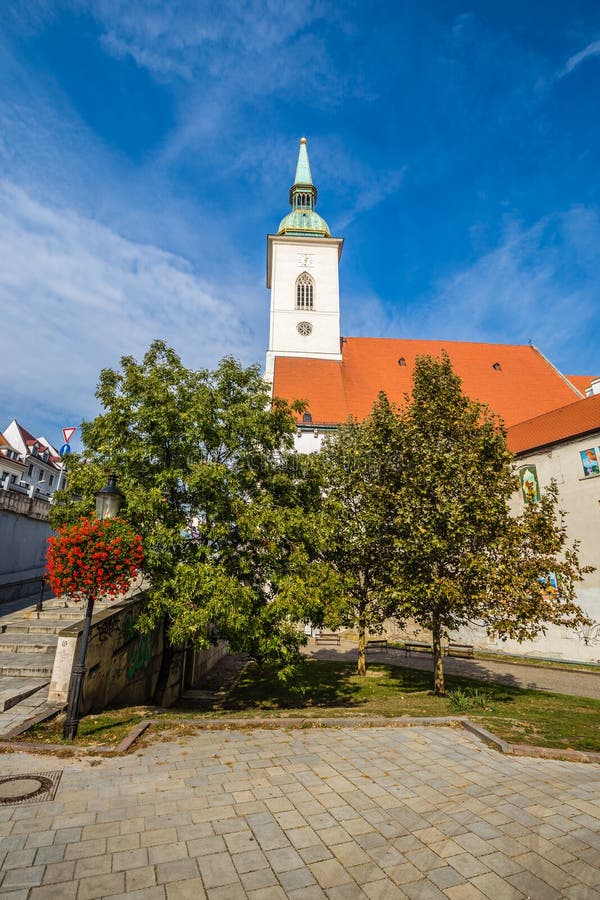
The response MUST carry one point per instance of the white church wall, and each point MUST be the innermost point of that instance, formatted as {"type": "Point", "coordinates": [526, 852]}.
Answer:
{"type": "Point", "coordinates": [579, 497]}
{"type": "Point", "coordinates": [308, 441]}
{"type": "Point", "coordinates": [318, 257]}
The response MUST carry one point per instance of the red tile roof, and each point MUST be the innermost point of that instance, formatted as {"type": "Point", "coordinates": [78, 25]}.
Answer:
{"type": "Point", "coordinates": [523, 383]}
{"type": "Point", "coordinates": [29, 440]}
{"type": "Point", "coordinates": [574, 420]}
{"type": "Point", "coordinates": [582, 382]}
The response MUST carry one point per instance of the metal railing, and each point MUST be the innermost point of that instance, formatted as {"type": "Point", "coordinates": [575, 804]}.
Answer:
{"type": "Point", "coordinates": [42, 586]}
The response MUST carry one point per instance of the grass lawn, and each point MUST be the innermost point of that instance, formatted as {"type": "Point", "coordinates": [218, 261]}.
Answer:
{"type": "Point", "coordinates": [539, 663]}
{"type": "Point", "coordinates": [324, 688]}
{"type": "Point", "coordinates": [332, 688]}
{"type": "Point", "coordinates": [105, 728]}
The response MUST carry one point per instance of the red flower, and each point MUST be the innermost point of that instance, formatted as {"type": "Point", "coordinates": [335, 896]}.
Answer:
{"type": "Point", "coordinates": [94, 555]}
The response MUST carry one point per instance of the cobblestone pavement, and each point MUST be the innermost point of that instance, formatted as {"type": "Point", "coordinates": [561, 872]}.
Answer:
{"type": "Point", "coordinates": [561, 681]}
{"type": "Point", "coordinates": [318, 813]}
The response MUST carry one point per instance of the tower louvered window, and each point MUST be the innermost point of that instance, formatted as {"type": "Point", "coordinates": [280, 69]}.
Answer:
{"type": "Point", "coordinates": [304, 292]}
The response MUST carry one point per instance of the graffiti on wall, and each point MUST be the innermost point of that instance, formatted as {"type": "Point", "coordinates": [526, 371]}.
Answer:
{"type": "Point", "coordinates": [140, 647]}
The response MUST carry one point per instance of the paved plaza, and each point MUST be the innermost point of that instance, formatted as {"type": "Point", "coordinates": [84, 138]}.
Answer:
{"type": "Point", "coordinates": [417, 812]}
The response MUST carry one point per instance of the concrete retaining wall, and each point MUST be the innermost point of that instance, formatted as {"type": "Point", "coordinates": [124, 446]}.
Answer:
{"type": "Point", "coordinates": [24, 531]}
{"type": "Point", "coordinates": [122, 664]}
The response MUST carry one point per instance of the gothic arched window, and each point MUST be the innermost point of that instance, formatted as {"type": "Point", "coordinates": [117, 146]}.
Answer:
{"type": "Point", "coordinates": [304, 292]}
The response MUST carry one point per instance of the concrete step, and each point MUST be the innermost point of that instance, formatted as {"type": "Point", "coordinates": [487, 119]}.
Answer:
{"type": "Point", "coordinates": [31, 626]}
{"type": "Point", "coordinates": [26, 665]}
{"type": "Point", "coordinates": [66, 613]}
{"type": "Point", "coordinates": [14, 690]}
{"type": "Point", "coordinates": [28, 643]}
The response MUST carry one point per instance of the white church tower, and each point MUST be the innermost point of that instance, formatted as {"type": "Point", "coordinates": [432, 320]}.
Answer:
{"type": "Point", "coordinates": [302, 273]}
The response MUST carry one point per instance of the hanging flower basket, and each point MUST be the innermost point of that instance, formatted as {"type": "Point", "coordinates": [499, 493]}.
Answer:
{"type": "Point", "coordinates": [94, 559]}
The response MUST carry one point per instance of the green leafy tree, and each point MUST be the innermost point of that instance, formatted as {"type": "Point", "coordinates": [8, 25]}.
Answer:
{"type": "Point", "coordinates": [460, 556]}
{"type": "Point", "coordinates": [355, 574]}
{"type": "Point", "coordinates": [223, 506]}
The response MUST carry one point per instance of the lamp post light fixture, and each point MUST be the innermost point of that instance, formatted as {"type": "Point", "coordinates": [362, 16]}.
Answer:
{"type": "Point", "coordinates": [108, 504]}
{"type": "Point", "coordinates": [108, 499]}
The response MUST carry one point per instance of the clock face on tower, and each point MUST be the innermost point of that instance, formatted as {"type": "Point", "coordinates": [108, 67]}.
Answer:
{"type": "Point", "coordinates": [306, 260]}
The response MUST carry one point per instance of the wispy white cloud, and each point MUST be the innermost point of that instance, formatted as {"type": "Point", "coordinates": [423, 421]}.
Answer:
{"type": "Point", "coordinates": [76, 296]}
{"type": "Point", "coordinates": [592, 49]}
{"type": "Point", "coordinates": [222, 64]}
{"type": "Point", "coordinates": [371, 189]}
{"type": "Point", "coordinates": [182, 38]}
{"type": "Point", "coordinates": [540, 283]}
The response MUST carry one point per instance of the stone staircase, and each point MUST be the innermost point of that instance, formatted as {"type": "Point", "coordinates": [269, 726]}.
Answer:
{"type": "Point", "coordinates": [28, 641]}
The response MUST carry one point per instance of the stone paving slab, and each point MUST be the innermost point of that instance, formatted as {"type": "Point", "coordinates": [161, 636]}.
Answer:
{"type": "Point", "coordinates": [322, 813]}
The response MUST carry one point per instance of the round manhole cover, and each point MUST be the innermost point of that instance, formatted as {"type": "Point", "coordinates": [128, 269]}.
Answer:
{"type": "Point", "coordinates": [23, 787]}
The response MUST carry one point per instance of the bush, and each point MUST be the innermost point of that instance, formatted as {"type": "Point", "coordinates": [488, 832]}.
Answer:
{"type": "Point", "coordinates": [470, 698]}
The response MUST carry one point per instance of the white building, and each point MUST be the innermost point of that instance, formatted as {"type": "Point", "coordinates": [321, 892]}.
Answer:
{"type": "Point", "coordinates": [42, 467]}
{"type": "Point", "coordinates": [11, 467]}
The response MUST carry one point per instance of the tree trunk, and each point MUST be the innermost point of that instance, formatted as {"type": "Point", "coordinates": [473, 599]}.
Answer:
{"type": "Point", "coordinates": [361, 668]}
{"type": "Point", "coordinates": [166, 662]}
{"type": "Point", "coordinates": [438, 663]}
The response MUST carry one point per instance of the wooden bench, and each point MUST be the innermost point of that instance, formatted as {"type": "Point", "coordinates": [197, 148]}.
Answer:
{"type": "Point", "coordinates": [328, 638]}
{"type": "Point", "coordinates": [419, 646]}
{"type": "Point", "coordinates": [379, 644]}
{"type": "Point", "coordinates": [464, 650]}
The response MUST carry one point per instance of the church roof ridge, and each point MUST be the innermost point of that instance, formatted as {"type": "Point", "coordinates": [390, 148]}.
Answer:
{"type": "Point", "coordinates": [564, 423]}
{"type": "Point", "coordinates": [515, 380]}
{"type": "Point", "coordinates": [407, 340]}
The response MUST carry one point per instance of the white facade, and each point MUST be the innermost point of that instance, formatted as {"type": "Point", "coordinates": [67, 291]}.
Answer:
{"type": "Point", "coordinates": [579, 497]}
{"type": "Point", "coordinates": [41, 473]}
{"type": "Point", "coordinates": [11, 467]}
{"type": "Point", "coordinates": [300, 325]}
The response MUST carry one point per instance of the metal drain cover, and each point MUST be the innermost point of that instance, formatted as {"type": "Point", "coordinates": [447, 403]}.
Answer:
{"type": "Point", "coordinates": [28, 788]}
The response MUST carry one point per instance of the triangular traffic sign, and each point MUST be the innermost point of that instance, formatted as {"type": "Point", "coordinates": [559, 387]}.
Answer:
{"type": "Point", "coordinates": [68, 434]}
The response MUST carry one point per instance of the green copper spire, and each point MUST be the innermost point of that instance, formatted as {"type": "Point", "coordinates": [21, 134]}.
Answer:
{"type": "Point", "coordinates": [303, 175]}
{"type": "Point", "coordinates": [303, 220]}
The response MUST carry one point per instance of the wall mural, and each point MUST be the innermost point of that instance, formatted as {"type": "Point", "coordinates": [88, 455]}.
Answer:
{"type": "Point", "coordinates": [529, 484]}
{"type": "Point", "coordinates": [589, 461]}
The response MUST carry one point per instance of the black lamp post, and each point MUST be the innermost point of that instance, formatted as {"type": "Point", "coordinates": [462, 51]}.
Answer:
{"type": "Point", "coordinates": [108, 504]}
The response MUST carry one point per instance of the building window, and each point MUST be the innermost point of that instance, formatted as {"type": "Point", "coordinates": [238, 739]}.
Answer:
{"type": "Point", "coordinates": [307, 419]}
{"type": "Point", "coordinates": [30, 470]}
{"type": "Point", "coordinates": [51, 481]}
{"type": "Point", "coordinates": [304, 328]}
{"type": "Point", "coordinates": [42, 475]}
{"type": "Point", "coordinates": [4, 476]}
{"type": "Point", "coordinates": [13, 479]}
{"type": "Point", "coordinates": [401, 361]}
{"type": "Point", "coordinates": [304, 292]}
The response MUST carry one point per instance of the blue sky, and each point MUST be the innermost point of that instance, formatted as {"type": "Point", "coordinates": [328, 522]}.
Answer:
{"type": "Point", "coordinates": [146, 149]}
